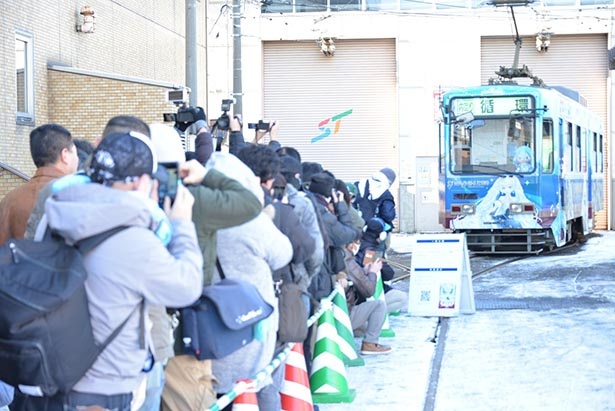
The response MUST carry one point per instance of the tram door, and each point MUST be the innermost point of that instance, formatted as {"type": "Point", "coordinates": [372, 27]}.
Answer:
{"type": "Point", "coordinates": [426, 202]}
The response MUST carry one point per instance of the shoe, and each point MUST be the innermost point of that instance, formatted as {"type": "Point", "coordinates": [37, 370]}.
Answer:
{"type": "Point", "coordinates": [368, 348]}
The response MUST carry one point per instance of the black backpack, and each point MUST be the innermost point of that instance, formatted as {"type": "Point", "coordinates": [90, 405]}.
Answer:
{"type": "Point", "coordinates": [46, 339]}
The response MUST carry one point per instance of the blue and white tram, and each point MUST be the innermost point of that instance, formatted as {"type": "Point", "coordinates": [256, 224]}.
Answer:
{"type": "Point", "coordinates": [521, 167]}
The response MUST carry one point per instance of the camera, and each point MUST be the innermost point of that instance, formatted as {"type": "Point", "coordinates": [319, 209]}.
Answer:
{"type": "Point", "coordinates": [168, 178]}
{"type": "Point", "coordinates": [185, 117]}
{"type": "Point", "coordinates": [261, 125]}
{"type": "Point", "coordinates": [223, 122]}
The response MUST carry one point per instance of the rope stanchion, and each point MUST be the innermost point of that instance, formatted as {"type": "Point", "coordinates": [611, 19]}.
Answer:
{"type": "Point", "coordinates": [241, 386]}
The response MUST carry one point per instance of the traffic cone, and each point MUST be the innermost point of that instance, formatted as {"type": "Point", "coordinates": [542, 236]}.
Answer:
{"type": "Point", "coordinates": [328, 379]}
{"type": "Point", "coordinates": [295, 391]}
{"type": "Point", "coordinates": [386, 330]}
{"type": "Point", "coordinates": [344, 330]}
{"type": "Point", "coordinates": [246, 401]}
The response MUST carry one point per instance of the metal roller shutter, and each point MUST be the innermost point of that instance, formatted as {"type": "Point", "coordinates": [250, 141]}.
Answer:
{"type": "Point", "coordinates": [304, 88]}
{"type": "Point", "coordinates": [579, 62]}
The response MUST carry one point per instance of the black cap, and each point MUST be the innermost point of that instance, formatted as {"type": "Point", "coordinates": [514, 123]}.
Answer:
{"type": "Point", "coordinates": [122, 157]}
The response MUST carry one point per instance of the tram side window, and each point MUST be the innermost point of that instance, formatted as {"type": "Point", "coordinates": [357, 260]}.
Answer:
{"type": "Point", "coordinates": [578, 157]}
{"type": "Point", "coordinates": [601, 155]}
{"type": "Point", "coordinates": [547, 147]}
{"type": "Point", "coordinates": [594, 154]}
{"type": "Point", "coordinates": [568, 154]}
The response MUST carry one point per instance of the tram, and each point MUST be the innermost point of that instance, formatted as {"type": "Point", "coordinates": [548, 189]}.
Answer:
{"type": "Point", "coordinates": [521, 166]}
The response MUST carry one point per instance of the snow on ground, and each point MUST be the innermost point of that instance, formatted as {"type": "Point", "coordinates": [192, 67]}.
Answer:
{"type": "Point", "coordinates": [559, 357]}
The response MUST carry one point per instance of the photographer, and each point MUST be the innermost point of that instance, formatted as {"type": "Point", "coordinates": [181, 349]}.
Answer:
{"type": "Point", "coordinates": [236, 139]}
{"type": "Point", "coordinates": [219, 202]}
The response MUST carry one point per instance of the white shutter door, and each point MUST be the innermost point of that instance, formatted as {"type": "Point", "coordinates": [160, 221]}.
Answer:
{"type": "Point", "coordinates": [305, 90]}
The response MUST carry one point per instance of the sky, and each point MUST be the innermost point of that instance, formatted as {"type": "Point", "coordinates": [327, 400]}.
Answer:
{"type": "Point", "coordinates": [542, 338]}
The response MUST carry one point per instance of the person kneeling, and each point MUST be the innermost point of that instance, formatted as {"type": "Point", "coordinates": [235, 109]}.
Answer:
{"type": "Point", "coordinates": [366, 316]}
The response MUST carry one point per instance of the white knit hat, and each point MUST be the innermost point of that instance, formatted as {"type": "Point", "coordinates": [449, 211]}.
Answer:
{"type": "Point", "coordinates": [167, 143]}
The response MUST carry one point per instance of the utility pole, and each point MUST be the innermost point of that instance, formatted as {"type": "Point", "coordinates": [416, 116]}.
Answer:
{"type": "Point", "coordinates": [191, 52]}
{"type": "Point", "coordinates": [237, 88]}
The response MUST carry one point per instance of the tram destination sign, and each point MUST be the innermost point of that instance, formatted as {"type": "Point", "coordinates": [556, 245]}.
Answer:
{"type": "Point", "coordinates": [492, 105]}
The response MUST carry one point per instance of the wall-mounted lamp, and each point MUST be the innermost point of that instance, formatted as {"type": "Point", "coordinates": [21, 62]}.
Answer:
{"type": "Point", "coordinates": [543, 40]}
{"type": "Point", "coordinates": [89, 20]}
{"type": "Point", "coordinates": [327, 46]}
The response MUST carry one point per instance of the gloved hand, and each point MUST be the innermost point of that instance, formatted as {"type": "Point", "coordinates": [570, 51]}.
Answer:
{"type": "Point", "coordinates": [195, 127]}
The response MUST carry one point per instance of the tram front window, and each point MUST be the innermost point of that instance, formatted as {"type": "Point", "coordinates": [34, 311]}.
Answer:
{"type": "Point", "coordinates": [493, 146]}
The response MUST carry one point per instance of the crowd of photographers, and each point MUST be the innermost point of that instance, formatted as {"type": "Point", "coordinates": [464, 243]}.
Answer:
{"type": "Point", "coordinates": [257, 210]}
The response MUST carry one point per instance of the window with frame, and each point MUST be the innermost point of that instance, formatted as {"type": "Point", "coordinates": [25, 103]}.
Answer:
{"type": "Point", "coordinates": [601, 154]}
{"type": "Point", "coordinates": [24, 78]}
{"type": "Point", "coordinates": [569, 152]}
{"type": "Point", "coordinates": [548, 155]}
{"type": "Point", "coordinates": [578, 152]}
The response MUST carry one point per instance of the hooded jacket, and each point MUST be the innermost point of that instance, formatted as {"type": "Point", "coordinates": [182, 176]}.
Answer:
{"type": "Point", "coordinates": [304, 208]}
{"type": "Point", "coordinates": [375, 200]}
{"type": "Point", "coordinates": [131, 267]}
{"type": "Point", "coordinates": [250, 252]}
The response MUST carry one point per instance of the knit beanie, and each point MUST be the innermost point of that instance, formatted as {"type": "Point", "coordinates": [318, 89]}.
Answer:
{"type": "Point", "coordinates": [290, 165]}
{"type": "Point", "coordinates": [390, 174]}
{"type": "Point", "coordinates": [167, 143]}
{"type": "Point", "coordinates": [322, 183]}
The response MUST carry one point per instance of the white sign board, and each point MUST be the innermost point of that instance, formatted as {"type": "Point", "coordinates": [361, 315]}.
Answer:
{"type": "Point", "coordinates": [440, 279]}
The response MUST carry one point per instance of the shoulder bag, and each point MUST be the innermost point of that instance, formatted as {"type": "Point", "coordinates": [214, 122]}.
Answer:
{"type": "Point", "coordinates": [223, 319]}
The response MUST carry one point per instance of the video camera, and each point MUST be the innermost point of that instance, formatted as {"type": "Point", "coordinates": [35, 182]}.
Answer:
{"type": "Point", "coordinates": [261, 125]}
{"type": "Point", "coordinates": [223, 122]}
{"type": "Point", "coordinates": [186, 115]}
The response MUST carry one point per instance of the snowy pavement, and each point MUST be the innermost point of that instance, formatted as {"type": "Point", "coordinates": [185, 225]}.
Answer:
{"type": "Point", "coordinates": [542, 338]}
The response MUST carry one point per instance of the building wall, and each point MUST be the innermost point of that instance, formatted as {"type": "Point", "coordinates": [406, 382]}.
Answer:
{"type": "Point", "coordinates": [83, 103]}
{"type": "Point", "coordinates": [135, 38]}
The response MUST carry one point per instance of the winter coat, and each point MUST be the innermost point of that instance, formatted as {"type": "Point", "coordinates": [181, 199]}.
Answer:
{"type": "Point", "coordinates": [131, 268]}
{"type": "Point", "coordinates": [288, 223]}
{"type": "Point", "coordinates": [219, 202]}
{"type": "Point", "coordinates": [383, 206]}
{"type": "Point", "coordinates": [340, 231]}
{"type": "Point", "coordinates": [16, 206]}
{"type": "Point", "coordinates": [304, 208]}
{"type": "Point", "coordinates": [363, 283]}
{"type": "Point", "coordinates": [250, 252]}
{"type": "Point", "coordinates": [203, 146]}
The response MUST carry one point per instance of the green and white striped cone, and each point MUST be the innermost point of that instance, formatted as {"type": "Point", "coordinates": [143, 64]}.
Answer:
{"type": "Point", "coordinates": [344, 330]}
{"type": "Point", "coordinates": [328, 380]}
{"type": "Point", "coordinates": [386, 330]}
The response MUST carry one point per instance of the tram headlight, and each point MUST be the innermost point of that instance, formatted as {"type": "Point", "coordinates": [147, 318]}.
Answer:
{"type": "Point", "coordinates": [521, 208]}
{"type": "Point", "coordinates": [463, 209]}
